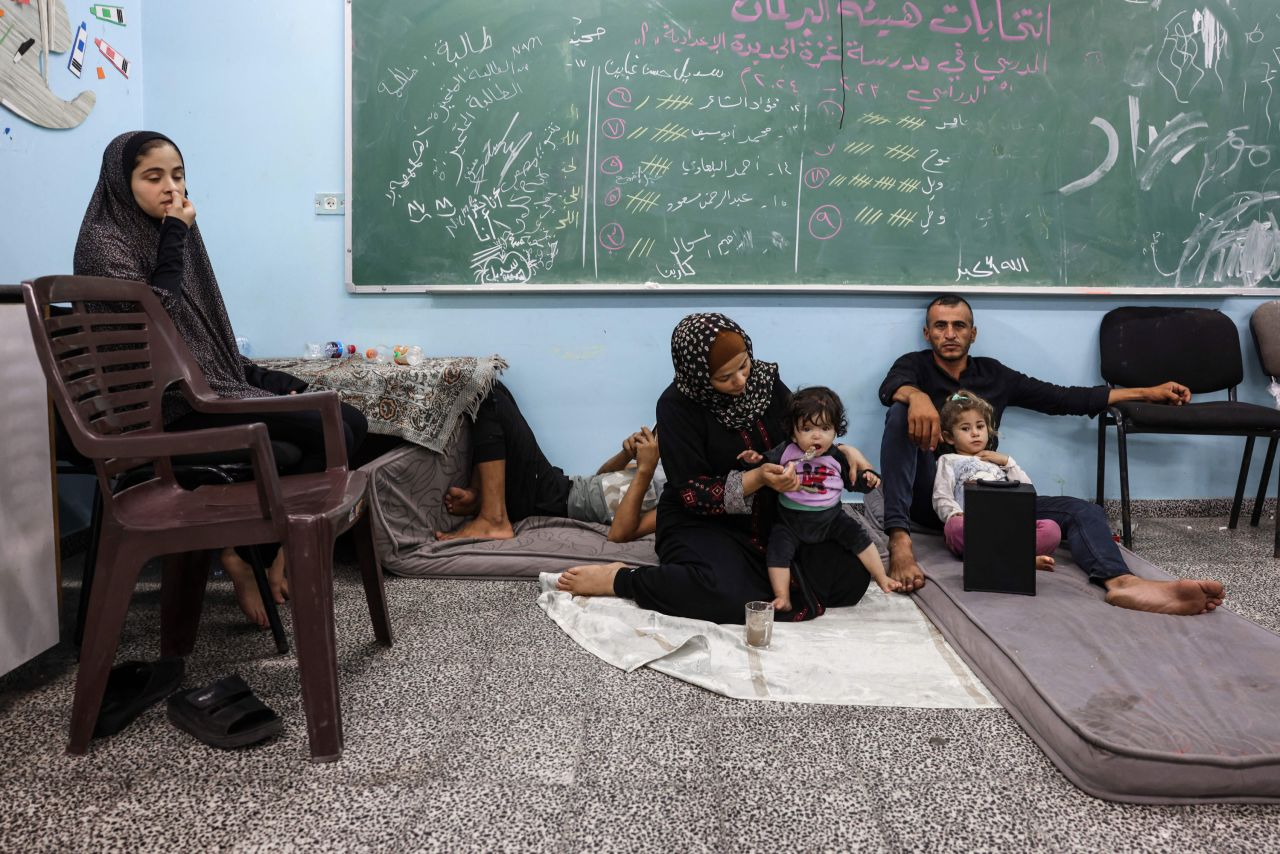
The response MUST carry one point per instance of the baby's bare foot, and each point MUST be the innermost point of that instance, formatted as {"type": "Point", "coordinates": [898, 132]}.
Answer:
{"type": "Point", "coordinates": [1044, 563]}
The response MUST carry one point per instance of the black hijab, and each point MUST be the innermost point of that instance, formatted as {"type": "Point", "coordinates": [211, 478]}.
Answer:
{"type": "Point", "coordinates": [690, 354]}
{"type": "Point", "coordinates": [119, 240]}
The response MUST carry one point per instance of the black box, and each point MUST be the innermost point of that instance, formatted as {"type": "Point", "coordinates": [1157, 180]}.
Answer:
{"type": "Point", "coordinates": [1000, 538]}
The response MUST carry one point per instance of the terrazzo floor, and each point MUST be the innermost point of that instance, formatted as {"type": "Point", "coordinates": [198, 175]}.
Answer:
{"type": "Point", "coordinates": [485, 728]}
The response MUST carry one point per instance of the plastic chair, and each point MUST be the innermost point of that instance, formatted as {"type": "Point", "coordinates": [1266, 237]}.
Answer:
{"type": "Point", "coordinates": [191, 472]}
{"type": "Point", "coordinates": [1197, 347]}
{"type": "Point", "coordinates": [107, 371]}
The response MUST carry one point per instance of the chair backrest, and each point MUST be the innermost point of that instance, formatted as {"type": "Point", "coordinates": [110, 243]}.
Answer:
{"type": "Point", "coordinates": [1143, 346]}
{"type": "Point", "coordinates": [1265, 326]}
{"type": "Point", "coordinates": [107, 368]}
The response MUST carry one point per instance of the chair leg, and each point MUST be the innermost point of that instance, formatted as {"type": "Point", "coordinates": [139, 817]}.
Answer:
{"type": "Point", "coordinates": [1102, 457]}
{"type": "Point", "coordinates": [371, 574]}
{"type": "Point", "coordinates": [1244, 475]}
{"type": "Point", "coordinates": [1262, 482]}
{"type": "Point", "coordinates": [268, 601]}
{"type": "Point", "coordinates": [116, 577]}
{"type": "Point", "coordinates": [90, 563]}
{"type": "Point", "coordinates": [182, 584]}
{"type": "Point", "coordinates": [310, 556]}
{"type": "Point", "coordinates": [1122, 447]}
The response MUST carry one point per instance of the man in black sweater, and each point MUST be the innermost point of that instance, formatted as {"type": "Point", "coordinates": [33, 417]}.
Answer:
{"type": "Point", "coordinates": [915, 389]}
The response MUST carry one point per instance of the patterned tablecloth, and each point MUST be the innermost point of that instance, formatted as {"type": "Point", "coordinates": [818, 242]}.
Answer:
{"type": "Point", "coordinates": [421, 404]}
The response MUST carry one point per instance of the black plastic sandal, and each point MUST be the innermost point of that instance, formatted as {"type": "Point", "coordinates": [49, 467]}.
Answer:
{"type": "Point", "coordinates": [224, 714]}
{"type": "Point", "coordinates": [132, 688]}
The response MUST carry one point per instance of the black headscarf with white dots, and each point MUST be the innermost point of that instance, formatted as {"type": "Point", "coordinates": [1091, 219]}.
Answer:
{"type": "Point", "coordinates": [690, 354]}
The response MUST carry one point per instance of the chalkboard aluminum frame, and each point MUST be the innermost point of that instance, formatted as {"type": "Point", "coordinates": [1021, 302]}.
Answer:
{"type": "Point", "coordinates": [352, 207]}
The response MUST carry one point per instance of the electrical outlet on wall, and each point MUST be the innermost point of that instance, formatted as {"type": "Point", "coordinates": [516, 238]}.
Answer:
{"type": "Point", "coordinates": [331, 203]}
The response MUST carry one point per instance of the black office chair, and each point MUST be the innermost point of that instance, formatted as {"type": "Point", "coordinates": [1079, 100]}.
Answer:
{"type": "Point", "coordinates": [1265, 328]}
{"type": "Point", "coordinates": [1197, 347]}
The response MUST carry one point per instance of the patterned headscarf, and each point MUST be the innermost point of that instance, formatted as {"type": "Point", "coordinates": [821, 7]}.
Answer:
{"type": "Point", "coordinates": [119, 240]}
{"type": "Point", "coordinates": [690, 351]}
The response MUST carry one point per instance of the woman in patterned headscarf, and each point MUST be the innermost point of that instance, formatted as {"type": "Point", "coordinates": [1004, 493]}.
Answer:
{"type": "Point", "coordinates": [140, 225]}
{"type": "Point", "coordinates": [714, 517]}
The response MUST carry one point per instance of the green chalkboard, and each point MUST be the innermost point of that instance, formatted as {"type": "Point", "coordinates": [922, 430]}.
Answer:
{"type": "Point", "coordinates": [1089, 144]}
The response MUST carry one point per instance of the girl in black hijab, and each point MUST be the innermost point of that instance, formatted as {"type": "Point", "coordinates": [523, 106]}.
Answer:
{"type": "Point", "coordinates": [714, 517]}
{"type": "Point", "coordinates": [140, 225]}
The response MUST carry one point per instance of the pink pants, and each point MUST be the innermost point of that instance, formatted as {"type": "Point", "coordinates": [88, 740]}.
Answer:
{"type": "Point", "coordinates": [1048, 535]}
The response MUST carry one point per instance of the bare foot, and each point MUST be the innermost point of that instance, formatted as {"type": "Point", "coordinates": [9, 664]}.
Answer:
{"type": "Point", "coordinates": [1186, 597]}
{"type": "Point", "coordinates": [902, 562]}
{"type": "Point", "coordinates": [589, 580]}
{"type": "Point", "coordinates": [242, 579]}
{"type": "Point", "coordinates": [276, 579]}
{"type": "Point", "coordinates": [480, 529]}
{"type": "Point", "coordinates": [1044, 563]}
{"type": "Point", "coordinates": [460, 501]}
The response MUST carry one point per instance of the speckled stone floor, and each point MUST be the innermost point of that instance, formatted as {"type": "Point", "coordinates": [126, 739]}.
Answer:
{"type": "Point", "coordinates": [485, 728]}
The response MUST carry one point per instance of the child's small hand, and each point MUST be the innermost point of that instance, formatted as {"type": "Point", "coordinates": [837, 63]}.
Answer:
{"type": "Point", "coordinates": [782, 603]}
{"type": "Point", "coordinates": [994, 457]}
{"type": "Point", "coordinates": [750, 457]}
{"type": "Point", "coordinates": [889, 585]}
{"type": "Point", "coordinates": [868, 477]}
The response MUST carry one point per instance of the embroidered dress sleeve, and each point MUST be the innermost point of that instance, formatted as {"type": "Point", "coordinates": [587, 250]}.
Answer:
{"type": "Point", "coordinates": [944, 488]}
{"type": "Point", "coordinates": [701, 490]}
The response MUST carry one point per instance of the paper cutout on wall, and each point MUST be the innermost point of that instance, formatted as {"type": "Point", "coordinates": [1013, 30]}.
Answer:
{"type": "Point", "coordinates": [75, 62]}
{"type": "Point", "coordinates": [24, 89]}
{"type": "Point", "coordinates": [121, 64]}
{"type": "Point", "coordinates": [110, 14]}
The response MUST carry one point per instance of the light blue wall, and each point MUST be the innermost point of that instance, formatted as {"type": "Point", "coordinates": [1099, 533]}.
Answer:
{"type": "Point", "coordinates": [253, 94]}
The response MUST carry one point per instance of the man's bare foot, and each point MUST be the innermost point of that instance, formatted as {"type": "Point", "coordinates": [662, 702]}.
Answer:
{"type": "Point", "coordinates": [1197, 596]}
{"type": "Point", "coordinates": [902, 562]}
{"type": "Point", "coordinates": [479, 528]}
{"type": "Point", "coordinates": [460, 501]}
{"type": "Point", "coordinates": [241, 575]}
{"type": "Point", "coordinates": [589, 580]}
{"type": "Point", "coordinates": [276, 579]}
{"type": "Point", "coordinates": [1044, 563]}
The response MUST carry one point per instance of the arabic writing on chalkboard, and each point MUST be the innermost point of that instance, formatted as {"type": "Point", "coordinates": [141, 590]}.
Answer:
{"type": "Point", "coordinates": [756, 142]}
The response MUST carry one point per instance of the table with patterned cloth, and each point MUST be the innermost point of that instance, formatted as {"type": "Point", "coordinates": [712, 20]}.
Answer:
{"type": "Point", "coordinates": [420, 403]}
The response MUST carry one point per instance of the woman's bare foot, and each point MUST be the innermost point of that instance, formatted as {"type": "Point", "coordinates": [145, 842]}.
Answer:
{"type": "Point", "coordinates": [902, 562]}
{"type": "Point", "coordinates": [460, 501]}
{"type": "Point", "coordinates": [1187, 597]}
{"type": "Point", "coordinates": [276, 579]}
{"type": "Point", "coordinates": [241, 575]}
{"type": "Point", "coordinates": [1044, 563]}
{"type": "Point", "coordinates": [479, 528]}
{"type": "Point", "coordinates": [589, 580]}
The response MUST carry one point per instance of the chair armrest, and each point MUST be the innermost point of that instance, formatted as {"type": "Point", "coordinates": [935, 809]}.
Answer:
{"type": "Point", "coordinates": [324, 402]}
{"type": "Point", "coordinates": [251, 437]}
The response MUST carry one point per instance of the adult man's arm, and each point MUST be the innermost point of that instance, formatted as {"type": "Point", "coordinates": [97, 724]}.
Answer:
{"type": "Point", "coordinates": [1031, 393]}
{"type": "Point", "coordinates": [902, 385]}
{"type": "Point", "coordinates": [1171, 393]}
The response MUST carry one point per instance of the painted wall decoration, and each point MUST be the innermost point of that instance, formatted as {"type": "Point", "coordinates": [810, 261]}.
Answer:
{"type": "Point", "coordinates": [29, 34]}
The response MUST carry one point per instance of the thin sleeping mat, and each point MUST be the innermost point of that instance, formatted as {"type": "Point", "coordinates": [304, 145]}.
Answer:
{"type": "Point", "coordinates": [1134, 707]}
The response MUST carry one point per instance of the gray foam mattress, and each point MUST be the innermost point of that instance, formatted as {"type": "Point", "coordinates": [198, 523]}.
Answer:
{"type": "Point", "coordinates": [1130, 706]}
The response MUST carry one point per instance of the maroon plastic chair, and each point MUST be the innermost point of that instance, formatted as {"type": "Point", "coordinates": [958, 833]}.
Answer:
{"type": "Point", "coordinates": [107, 371]}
